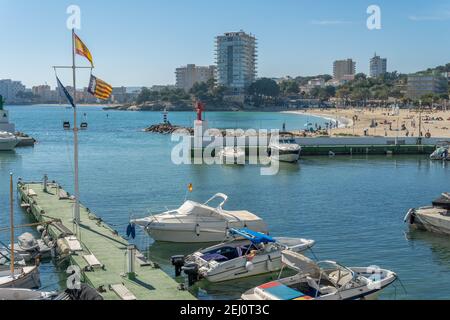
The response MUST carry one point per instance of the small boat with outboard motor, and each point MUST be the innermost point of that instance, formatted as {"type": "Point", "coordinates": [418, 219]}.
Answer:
{"type": "Point", "coordinates": [26, 277]}
{"type": "Point", "coordinates": [232, 155]}
{"type": "Point", "coordinates": [325, 280]}
{"type": "Point", "coordinates": [435, 218]}
{"type": "Point", "coordinates": [249, 253]}
{"type": "Point", "coordinates": [30, 248]}
{"type": "Point", "coordinates": [14, 294]}
{"type": "Point", "coordinates": [197, 223]}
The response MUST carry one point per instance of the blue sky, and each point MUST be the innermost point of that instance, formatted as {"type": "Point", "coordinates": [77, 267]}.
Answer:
{"type": "Point", "coordinates": [141, 42]}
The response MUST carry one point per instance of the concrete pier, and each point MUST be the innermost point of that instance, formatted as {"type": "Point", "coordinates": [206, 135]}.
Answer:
{"type": "Point", "coordinates": [99, 251]}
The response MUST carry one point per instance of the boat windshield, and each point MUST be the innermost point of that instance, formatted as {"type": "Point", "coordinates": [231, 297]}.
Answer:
{"type": "Point", "coordinates": [338, 274]}
{"type": "Point", "coordinates": [287, 141]}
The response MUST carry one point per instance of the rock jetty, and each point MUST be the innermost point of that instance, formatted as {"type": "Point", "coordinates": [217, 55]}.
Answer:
{"type": "Point", "coordinates": [168, 128]}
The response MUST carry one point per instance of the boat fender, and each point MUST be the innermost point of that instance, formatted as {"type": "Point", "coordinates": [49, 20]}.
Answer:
{"type": "Point", "coordinates": [197, 230]}
{"type": "Point", "coordinates": [131, 230]}
{"type": "Point", "coordinates": [62, 247]}
{"type": "Point", "coordinates": [249, 266]}
{"type": "Point", "coordinates": [428, 135]}
{"type": "Point", "coordinates": [40, 229]}
{"type": "Point", "coordinates": [251, 255]}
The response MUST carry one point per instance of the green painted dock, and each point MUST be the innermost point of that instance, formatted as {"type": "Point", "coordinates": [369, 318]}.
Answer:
{"type": "Point", "coordinates": [324, 150]}
{"type": "Point", "coordinates": [100, 240]}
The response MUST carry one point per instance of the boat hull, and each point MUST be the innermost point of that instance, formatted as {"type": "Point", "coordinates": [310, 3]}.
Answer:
{"type": "Point", "coordinates": [365, 292]}
{"type": "Point", "coordinates": [260, 264]}
{"type": "Point", "coordinates": [202, 233]}
{"type": "Point", "coordinates": [287, 157]}
{"type": "Point", "coordinates": [430, 219]}
{"type": "Point", "coordinates": [28, 279]}
{"type": "Point", "coordinates": [8, 144]}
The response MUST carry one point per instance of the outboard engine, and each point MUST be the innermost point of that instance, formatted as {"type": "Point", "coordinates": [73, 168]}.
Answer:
{"type": "Point", "coordinates": [191, 270]}
{"type": "Point", "coordinates": [178, 263]}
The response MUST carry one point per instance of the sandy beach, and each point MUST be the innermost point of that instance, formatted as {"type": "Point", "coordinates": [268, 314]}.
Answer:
{"type": "Point", "coordinates": [384, 122]}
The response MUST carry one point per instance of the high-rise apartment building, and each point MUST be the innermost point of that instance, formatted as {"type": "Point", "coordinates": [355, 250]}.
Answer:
{"type": "Point", "coordinates": [236, 57]}
{"type": "Point", "coordinates": [378, 66]}
{"type": "Point", "coordinates": [344, 69]}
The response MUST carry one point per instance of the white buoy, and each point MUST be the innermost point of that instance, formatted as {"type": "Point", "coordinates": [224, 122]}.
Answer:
{"type": "Point", "coordinates": [249, 266]}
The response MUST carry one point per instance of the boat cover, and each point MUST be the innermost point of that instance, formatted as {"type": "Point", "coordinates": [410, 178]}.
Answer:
{"type": "Point", "coordinates": [300, 263]}
{"type": "Point", "coordinates": [27, 242]}
{"type": "Point", "coordinates": [253, 236]}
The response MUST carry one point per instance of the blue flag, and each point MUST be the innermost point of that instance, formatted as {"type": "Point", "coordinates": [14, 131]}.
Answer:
{"type": "Point", "coordinates": [66, 93]}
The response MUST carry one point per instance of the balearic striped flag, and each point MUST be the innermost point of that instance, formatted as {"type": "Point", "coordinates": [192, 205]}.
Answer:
{"type": "Point", "coordinates": [99, 88]}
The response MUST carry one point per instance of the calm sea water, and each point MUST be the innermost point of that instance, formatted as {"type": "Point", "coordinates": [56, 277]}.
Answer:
{"type": "Point", "coordinates": [352, 206]}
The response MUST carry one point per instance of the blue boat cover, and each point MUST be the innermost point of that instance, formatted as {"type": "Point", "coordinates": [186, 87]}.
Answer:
{"type": "Point", "coordinates": [253, 236]}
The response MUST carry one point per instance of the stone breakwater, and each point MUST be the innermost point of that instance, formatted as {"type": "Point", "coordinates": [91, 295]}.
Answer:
{"type": "Point", "coordinates": [167, 128]}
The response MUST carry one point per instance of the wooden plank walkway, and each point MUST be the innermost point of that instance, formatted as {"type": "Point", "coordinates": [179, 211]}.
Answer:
{"type": "Point", "coordinates": [101, 245]}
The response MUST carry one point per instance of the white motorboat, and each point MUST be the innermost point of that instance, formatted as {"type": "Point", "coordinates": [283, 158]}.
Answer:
{"type": "Point", "coordinates": [326, 280]}
{"type": "Point", "coordinates": [435, 218]}
{"type": "Point", "coordinates": [251, 253]}
{"type": "Point", "coordinates": [441, 153]}
{"type": "Point", "coordinates": [285, 150]}
{"type": "Point", "coordinates": [8, 141]}
{"type": "Point", "coordinates": [23, 277]}
{"type": "Point", "coordinates": [14, 294]}
{"type": "Point", "coordinates": [30, 248]}
{"type": "Point", "coordinates": [232, 155]}
{"type": "Point", "coordinates": [194, 222]}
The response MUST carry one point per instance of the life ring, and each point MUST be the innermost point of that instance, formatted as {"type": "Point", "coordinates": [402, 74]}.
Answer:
{"type": "Point", "coordinates": [428, 135]}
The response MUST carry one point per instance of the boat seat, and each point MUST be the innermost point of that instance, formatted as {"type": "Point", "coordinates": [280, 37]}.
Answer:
{"type": "Point", "coordinates": [340, 278]}
{"type": "Point", "coordinates": [327, 290]}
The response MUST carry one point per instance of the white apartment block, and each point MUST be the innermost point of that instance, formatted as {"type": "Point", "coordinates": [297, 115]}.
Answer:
{"type": "Point", "coordinates": [236, 58]}
{"type": "Point", "coordinates": [188, 75]}
{"type": "Point", "coordinates": [9, 90]}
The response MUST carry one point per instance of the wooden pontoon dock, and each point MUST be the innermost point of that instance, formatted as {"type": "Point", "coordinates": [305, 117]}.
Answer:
{"type": "Point", "coordinates": [99, 251]}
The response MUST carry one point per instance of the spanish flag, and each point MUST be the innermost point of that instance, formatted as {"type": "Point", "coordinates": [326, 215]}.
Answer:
{"type": "Point", "coordinates": [99, 88]}
{"type": "Point", "coordinates": [82, 50]}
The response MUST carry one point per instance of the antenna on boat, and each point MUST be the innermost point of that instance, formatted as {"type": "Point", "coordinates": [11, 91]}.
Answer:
{"type": "Point", "coordinates": [11, 217]}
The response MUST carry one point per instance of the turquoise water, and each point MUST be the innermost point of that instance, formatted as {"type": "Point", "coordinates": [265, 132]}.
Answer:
{"type": "Point", "coordinates": [352, 206]}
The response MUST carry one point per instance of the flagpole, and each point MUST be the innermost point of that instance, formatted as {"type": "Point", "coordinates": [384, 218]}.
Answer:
{"type": "Point", "coordinates": [75, 138]}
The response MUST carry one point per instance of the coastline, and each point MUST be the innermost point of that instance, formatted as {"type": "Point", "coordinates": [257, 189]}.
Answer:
{"type": "Point", "coordinates": [385, 122]}
{"type": "Point", "coordinates": [343, 121]}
